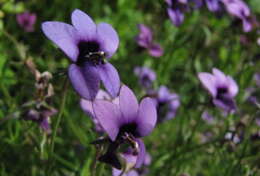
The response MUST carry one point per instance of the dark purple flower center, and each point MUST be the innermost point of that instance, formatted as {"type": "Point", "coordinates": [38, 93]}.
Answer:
{"type": "Point", "coordinates": [221, 92]}
{"type": "Point", "coordinates": [146, 81]}
{"type": "Point", "coordinates": [225, 98]}
{"type": "Point", "coordinates": [26, 22]}
{"type": "Point", "coordinates": [129, 129]}
{"type": "Point", "coordinates": [90, 51]}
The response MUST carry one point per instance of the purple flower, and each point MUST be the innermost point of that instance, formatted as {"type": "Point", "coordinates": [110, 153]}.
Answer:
{"type": "Point", "coordinates": [257, 79]}
{"type": "Point", "coordinates": [222, 88]}
{"type": "Point", "coordinates": [207, 117]}
{"type": "Point", "coordinates": [257, 121]}
{"type": "Point", "coordinates": [42, 117]}
{"type": "Point", "coordinates": [26, 20]}
{"type": "Point", "coordinates": [87, 107]}
{"type": "Point", "coordinates": [145, 40]}
{"type": "Point", "coordinates": [167, 103]}
{"type": "Point", "coordinates": [87, 45]}
{"type": "Point", "coordinates": [176, 16]}
{"type": "Point", "coordinates": [177, 8]}
{"type": "Point", "coordinates": [213, 5]}
{"type": "Point", "coordinates": [125, 123]}
{"type": "Point", "coordinates": [146, 76]}
{"type": "Point", "coordinates": [240, 10]}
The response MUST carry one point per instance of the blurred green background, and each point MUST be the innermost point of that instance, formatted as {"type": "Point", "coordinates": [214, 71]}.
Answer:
{"type": "Point", "coordinates": [205, 40]}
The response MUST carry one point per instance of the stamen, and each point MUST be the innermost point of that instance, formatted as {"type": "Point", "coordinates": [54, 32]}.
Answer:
{"type": "Point", "coordinates": [96, 57]}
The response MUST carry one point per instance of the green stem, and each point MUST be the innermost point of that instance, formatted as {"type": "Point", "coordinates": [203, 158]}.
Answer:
{"type": "Point", "coordinates": [21, 51]}
{"type": "Point", "coordinates": [54, 133]}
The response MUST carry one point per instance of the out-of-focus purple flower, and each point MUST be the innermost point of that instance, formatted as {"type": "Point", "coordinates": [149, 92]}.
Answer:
{"type": "Point", "coordinates": [257, 79]}
{"type": "Point", "coordinates": [177, 8]}
{"type": "Point", "coordinates": [207, 117]}
{"type": "Point", "coordinates": [145, 40]}
{"type": "Point", "coordinates": [222, 88]}
{"type": "Point", "coordinates": [239, 9]}
{"type": "Point", "coordinates": [146, 76]}
{"type": "Point", "coordinates": [257, 121]}
{"type": "Point", "coordinates": [233, 137]}
{"type": "Point", "coordinates": [258, 41]}
{"type": "Point", "coordinates": [213, 5]}
{"type": "Point", "coordinates": [176, 16]}
{"type": "Point", "coordinates": [87, 107]}
{"type": "Point", "coordinates": [167, 103]}
{"type": "Point", "coordinates": [125, 123]}
{"type": "Point", "coordinates": [26, 20]}
{"type": "Point", "coordinates": [87, 45]}
{"type": "Point", "coordinates": [41, 116]}
{"type": "Point", "coordinates": [206, 136]}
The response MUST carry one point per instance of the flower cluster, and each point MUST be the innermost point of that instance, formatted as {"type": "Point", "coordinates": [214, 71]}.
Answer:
{"type": "Point", "coordinates": [124, 121]}
{"type": "Point", "coordinates": [116, 113]}
{"type": "Point", "coordinates": [237, 8]}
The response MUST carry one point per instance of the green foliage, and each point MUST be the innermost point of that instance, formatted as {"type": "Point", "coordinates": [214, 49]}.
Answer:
{"type": "Point", "coordinates": [204, 41]}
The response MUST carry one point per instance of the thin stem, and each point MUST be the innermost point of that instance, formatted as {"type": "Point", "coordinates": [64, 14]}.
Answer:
{"type": "Point", "coordinates": [61, 109]}
{"type": "Point", "coordinates": [20, 50]}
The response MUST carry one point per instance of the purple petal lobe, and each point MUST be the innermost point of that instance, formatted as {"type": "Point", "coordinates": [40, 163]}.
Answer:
{"type": "Point", "coordinates": [108, 115]}
{"type": "Point", "coordinates": [176, 16]}
{"type": "Point", "coordinates": [84, 24]}
{"type": "Point", "coordinates": [220, 76]}
{"type": "Point", "coordinates": [147, 117]}
{"type": "Point", "coordinates": [85, 80]}
{"type": "Point", "coordinates": [213, 5]}
{"type": "Point", "coordinates": [145, 36]}
{"type": "Point", "coordinates": [208, 82]}
{"type": "Point", "coordinates": [155, 50]}
{"type": "Point", "coordinates": [87, 107]}
{"type": "Point", "coordinates": [141, 154]}
{"type": "Point", "coordinates": [110, 78]}
{"type": "Point", "coordinates": [63, 35]}
{"type": "Point", "coordinates": [108, 38]}
{"type": "Point", "coordinates": [232, 86]}
{"type": "Point", "coordinates": [128, 104]}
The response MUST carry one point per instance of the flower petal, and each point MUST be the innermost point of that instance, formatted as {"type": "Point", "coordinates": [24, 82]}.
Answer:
{"type": "Point", "coordinates": [209, 82]}
{"type": "Point", "coordinates": [141, 154]}
{"type": "Point", "coordinates": [176, 16]}
{"type": "Point", "coordinates": [63, 35]}
{"type": "Point", "coordinates": [145, 36]}
{"type": "Point", "coordinates": [108, 115]}
{"type": "Point", "coordinates": [213, 5]}
{"type": "Point", "coordinates": [247, 25]}
{"type": "Point", "coordinates": [84, 24]}
{"type": "Point", "coordinates": [87, 107]}
{"type": "Point", "coordinates": [232, 86]}
{"type": "Point", "coordinates": [220, 76]}
{"type": "Point", "coordinates": [116, 172]}
{"type": "Point", "coordinates": [85, 80]}
{"type": "Point", "coordinates": [128, 104]}
{"type": "Point", "coordinates": [110, 78]}
{"type": "Point", "coordinates": [147, 117]}
{"type": "Point", "coordinates": [108, 37]}
{"type": "Point", "coordinates": [155, 50]}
